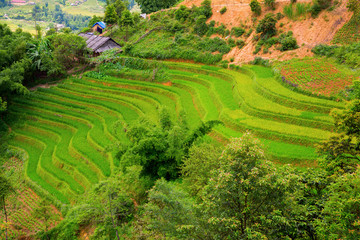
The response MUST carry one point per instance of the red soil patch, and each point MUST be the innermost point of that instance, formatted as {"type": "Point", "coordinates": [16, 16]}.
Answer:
{"type": "Point", "coordinates": [169, 83]}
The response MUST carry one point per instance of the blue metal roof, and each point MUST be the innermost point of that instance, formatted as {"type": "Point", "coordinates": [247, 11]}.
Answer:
{"type": "Point", "coordinates": [101, 24]}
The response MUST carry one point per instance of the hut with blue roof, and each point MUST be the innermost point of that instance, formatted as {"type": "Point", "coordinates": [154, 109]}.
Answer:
{"type": "Point", "coordinates": [99, 27]}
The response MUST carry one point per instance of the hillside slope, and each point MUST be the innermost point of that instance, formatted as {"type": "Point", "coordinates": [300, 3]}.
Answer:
{"type": "Point", "coordinates": [308, 31]}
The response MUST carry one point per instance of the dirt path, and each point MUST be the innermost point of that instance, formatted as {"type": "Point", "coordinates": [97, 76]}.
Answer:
{"type": "Point", "coordinates": [46, 85]}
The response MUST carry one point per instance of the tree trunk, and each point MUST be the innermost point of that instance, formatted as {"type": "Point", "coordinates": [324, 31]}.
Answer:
{"type": "Point", "coordinates": [112, 218]}
{"type": "Point", "coordinates": [6, 231]}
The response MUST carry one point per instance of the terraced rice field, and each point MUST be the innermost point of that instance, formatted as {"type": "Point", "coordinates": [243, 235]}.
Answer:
{"type": "Point", "coordinates": [315, 76]}
{"type": "Point", "coordinates": [68, 129]}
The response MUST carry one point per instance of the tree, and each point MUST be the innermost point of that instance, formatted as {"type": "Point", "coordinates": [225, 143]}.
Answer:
{"type": "Point", "coordinates": [270, 4]}
{"type": "Point", "coordinates": [267, 26]}
{"type": "Point", "coordinates": [171, 212]}
{"type": "Point", "coordinates": [149, 6]}
{"type": "Point", "coordinates": [342, 151]}
{"type": "Point", "coordinates": [120, 7]}
{"type": "Point", "coordinates": [69, 49]}
{"type": "Point", "coordinates": [160, 147]}
{"type": "Point", "coordinates": [126, 21]}
{"type": "Point", "coordinates": [94, 20]}
{"type": "Point", "coordinates": [200, 27]}
{"type": "Point", "coordinates": [247, 195]}
{"type": "Point", "coordinates": [342, 210]}
{"type": "Point", "coordinates": [5, 190]}
{"type": "Point", "coordinates": [255, 7]}
{"type": "Point", "coordinates": [35, 12]}
{"type": "Point", "coordinates": [111, 16]}
{"type": "Point", "coordinates": [196, 169]}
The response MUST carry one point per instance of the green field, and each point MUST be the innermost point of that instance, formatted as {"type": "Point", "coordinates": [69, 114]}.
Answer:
{"type": "Point", "coordinates": [66, 130]}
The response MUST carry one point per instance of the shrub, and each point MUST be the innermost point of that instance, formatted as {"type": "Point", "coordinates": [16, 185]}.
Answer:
{"type": "Point", "coordinates": [182, 13]}
{"type": "Point", "coordinates": [270, 4]}
{"type": "Point", "coordinates": [279, 16]}
{"type": "Point", "coordinates": [288, 42]}
{"type": "Point", "coordinates": [240, 43]}
{"type": "Point", "coordinates": [223, 10]}
{"type": "Point", "coordinates": [231, 42]}
{"type": "Point", "coordinates": [315, 9]}
{"type": "Point", "coordinates": [205, 9]}
{"type": "Point", "coordinates": [324, 50]}
{"type": "Point", "coordinates": [237, 31]}
{"type": "Point", "coordinates": [255, 7]}
{"type": "Point", "coordinates": [261, 61]}
{"type": "Point", "coordinates": [213, 45]}
{"type": "Point", "coordinates": [267, 26]}
{"type": "Point", "coordinates": [200, 27]}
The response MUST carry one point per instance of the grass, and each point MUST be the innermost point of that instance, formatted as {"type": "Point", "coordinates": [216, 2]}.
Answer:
{"type": "Point", "coordinates": [68, 129]}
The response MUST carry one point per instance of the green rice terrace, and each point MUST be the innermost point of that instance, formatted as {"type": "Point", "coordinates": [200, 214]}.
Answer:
{"type": "Point", "coordinates": [67, 131]}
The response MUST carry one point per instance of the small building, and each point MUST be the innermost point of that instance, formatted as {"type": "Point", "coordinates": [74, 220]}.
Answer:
{"type": "Point", "coordinates": [99, 27]}
{"type": "Point", "coordinates": [99, 44]}
{"type": "Point", "coordinates": [31, 3]}
{"type": "Point", "coordinates": [143, 15]}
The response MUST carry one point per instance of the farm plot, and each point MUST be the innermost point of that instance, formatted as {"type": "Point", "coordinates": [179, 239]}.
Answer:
{"type": "Point", "coordinates": [315, 76]}
{"type": "Point", "coordinates": [68, 131]}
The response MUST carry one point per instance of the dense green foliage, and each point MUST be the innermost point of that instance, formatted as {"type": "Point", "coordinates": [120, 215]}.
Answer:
{"type": "Point", "coordinates": [14, 64]}
{"type": "Point", "coordinates": [159, 148]}
{"type": "Point", "coordinates": [348, 54]}
{"type": "Point", "coordinates": [176, 34]}
{"type": "Point", "coordinates": [149, 6]}
{"type": "Point", "coordinates": [255, 7]}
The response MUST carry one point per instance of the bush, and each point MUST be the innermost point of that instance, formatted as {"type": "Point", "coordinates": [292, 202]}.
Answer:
{"type": "Point", "coordinates": [213, 45]}
{"type": "Point", "coordinates": [261, 61]}
{"type": "Point", "coordinates": [267, 26]}
{"type": "Point", "coordinates": [315, 9]}
{"type": "Point", "coordinates": [182, 13]}
{"type": "Point", "coordinates": [231, 42]}
{"type": "Point", "coordinates": [255, 7]}
{"type": "Point", "coordinates": [270, 4]}
{"type": "Point", "coordinates": [240, 43]}
{"type": "Point", "coordinates": [237, 31]}
{"type": "Point", "coordinates": [279, 16]}
{"type": "Point", "coordinates": [223, 10]}
{"type": "Point", "coordinates": [288, 42]}
{"type": "Point", "coordinates": [200, 27]}
{"type": "Point", "coordinates": [205, 9]}
{"type": "Point", "coordinates": [324, 50]}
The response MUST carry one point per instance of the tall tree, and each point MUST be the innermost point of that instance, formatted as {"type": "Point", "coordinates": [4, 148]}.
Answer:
{"type": "Point", "coordinates": [120, 7]}
{"type": "Point", "coordinates": [126, 21]}
{"type": "Point", "coordinates": [111, 16]}
{"type": "Point", "coordinates": [246, 196]}
{"type": "Point", "coordinates": [341, 153]}
{"type": "Point", "coordinates": [5, 190]}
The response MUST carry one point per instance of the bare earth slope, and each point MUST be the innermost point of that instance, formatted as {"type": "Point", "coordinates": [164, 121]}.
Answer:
{"type": "Point", "coordinates": [308, 32]}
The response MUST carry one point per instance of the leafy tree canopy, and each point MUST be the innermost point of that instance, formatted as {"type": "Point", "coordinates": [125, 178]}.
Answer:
{"type": "Point", "coordinates": [149, 6]}
{"type": "Point", "coordinates": [160, 147]}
